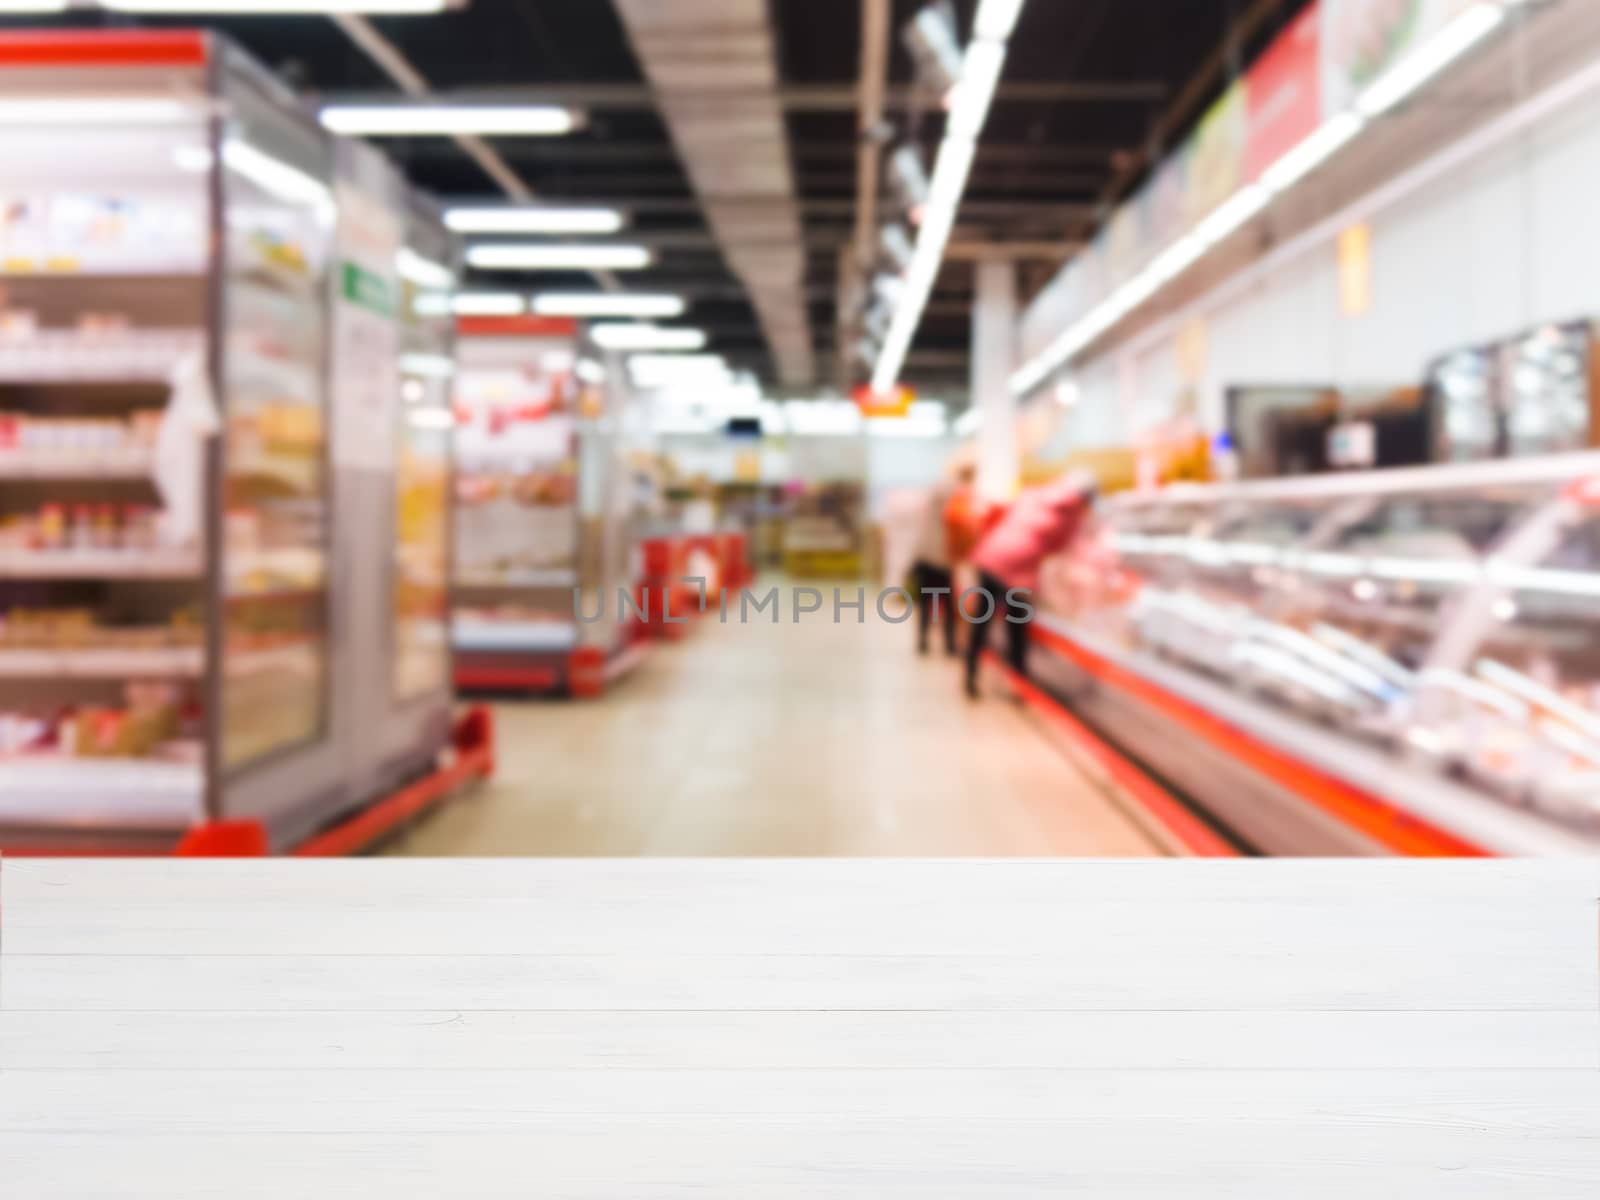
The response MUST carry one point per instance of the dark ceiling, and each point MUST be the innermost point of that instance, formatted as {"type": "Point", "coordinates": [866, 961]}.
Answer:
{"type": "Point", "coordinates": [1054, 150]}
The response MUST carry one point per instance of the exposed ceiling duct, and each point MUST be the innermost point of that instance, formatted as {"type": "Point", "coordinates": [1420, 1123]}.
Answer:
{"type": "Point", "coordinates": [713, 67]}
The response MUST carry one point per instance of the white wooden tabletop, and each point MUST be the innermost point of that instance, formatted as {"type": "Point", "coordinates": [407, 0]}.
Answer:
{"type": "Point", "coordinates": [432, 1028]}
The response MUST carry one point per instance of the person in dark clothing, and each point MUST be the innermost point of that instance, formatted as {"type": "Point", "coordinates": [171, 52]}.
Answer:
{"type": "Point", "coordinates": [990, 602]}
{"type": "Point", "coordinates": [932, 577]}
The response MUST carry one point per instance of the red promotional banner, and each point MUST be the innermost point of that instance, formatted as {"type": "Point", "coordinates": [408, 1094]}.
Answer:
{"type": "Point", "coordinates": [1284, 93]}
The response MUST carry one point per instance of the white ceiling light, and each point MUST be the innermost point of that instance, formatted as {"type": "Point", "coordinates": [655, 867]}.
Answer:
{"type": "Point", "coordinates": [487, 304]}
{"type": "Point", "coordinates": [423, 272]}
{"type": "Point", "coordinates": [449, 120]}
{"type": "Point", "coordinates": [1313, 151]}
{"type": "Point", "coordinates": [272, 7]}
{"type": "Point", "coordinates": [33, 6]}
{"type": "Point", "coordinates": [558, 257]}
{"type": "Point", "coordinates": [1411, 72]}
{"type": "Point", "coordinates": [968, 422]}
{"type": "Point", "coordinates": [647, 337]}
{"type": "Point", "coordinates": [533, 220]}
{"type": "Point", "coordinates": [607, 304]}
{"type": "Point", "coordinates": [996, 19]}
{"type": "Point", "coordinates": [969, 104]}
{"type": "Point", "coordinates": [969, 101]}
{"type": "Point", "coordinates": [669, 370]}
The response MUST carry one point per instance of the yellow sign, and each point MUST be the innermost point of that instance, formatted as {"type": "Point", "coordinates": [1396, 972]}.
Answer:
{"type": "Point", "coordinates": [1193, 349]}
{"type": "Point", "coordinates": [1355, 270]}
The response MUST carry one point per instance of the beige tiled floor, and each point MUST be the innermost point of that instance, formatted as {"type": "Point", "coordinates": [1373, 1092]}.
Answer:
{"type": "Point", "coordinates": [795, 739]}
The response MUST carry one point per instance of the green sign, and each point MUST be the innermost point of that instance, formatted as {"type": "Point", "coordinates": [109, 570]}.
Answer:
{"type": "Point", "coordinates": [367, 289]}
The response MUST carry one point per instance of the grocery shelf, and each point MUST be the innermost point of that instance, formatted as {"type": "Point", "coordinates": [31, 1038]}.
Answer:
{"type": "Point", "coordinates": [133, 462]}
{"type": "Point", "coordinates": [551, 577]}
{"type": "Point", "coordinates": [100, 564]}
{"type": "Point", "coordinates": [472, 633]}
{"type": "Point", "coordinates": [103, 662]}
{"type": "Point", "coordinates": [115, 793]}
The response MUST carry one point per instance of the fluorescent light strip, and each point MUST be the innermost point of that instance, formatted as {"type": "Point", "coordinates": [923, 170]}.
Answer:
{"type": "Point", "coordinates": [423, 272]}
{"type": "Point", "coordinates": [1411, 72]}
{"type": "Point", "coordinates": [971, 98]}
{"type": "Point", "coordinates": [1236, 211]}
{"type": "Point", "coordinates": [647, 337]}
{"type": "Point", "coordinates": [488, 304]}
{"type": "Point", "coordinates": [558, 257]}
{"type": "Point", "coordinates": [996, 19]}
{"type": "Point", "coordinates": [970, 102]}
{"type": "Point", "coordinates": [949, 180]}
{"type": "Point", "coordinates": [448, 120]}
{"type": "Point", "coordinates": [33, 6]}
{"type": "Point", "coordinates": [607, 304]}
{"type": "Point", "coordinates": [533, 220]}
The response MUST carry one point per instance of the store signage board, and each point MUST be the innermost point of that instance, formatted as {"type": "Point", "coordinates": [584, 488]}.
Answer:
{"type": "Point", "coordinates": [366, 329]}
{"type": "Point", "coordinates": [1317, 67]}
{"type": "Point", "coordinates": [1363, 39]}
{"type": "Point", "coordinates": [1216, 154]}
{"type": "Point", "coordinates": [896, 403]}
{"type": "Point", "coordinates": [1355, 270]}
{"type": "Point", "coordinates": [1284, 93]}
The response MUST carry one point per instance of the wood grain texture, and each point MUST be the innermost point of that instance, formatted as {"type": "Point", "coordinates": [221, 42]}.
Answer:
{"type": "Point", "coordinates": [799, 1029]}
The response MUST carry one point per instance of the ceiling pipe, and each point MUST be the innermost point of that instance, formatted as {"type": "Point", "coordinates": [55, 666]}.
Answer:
{"type": "Point", "coordinates": [857, 260]}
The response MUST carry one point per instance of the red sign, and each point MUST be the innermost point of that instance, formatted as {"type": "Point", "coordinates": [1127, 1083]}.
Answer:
{"type": "Point", "coordinates": [896, 403]}
{"type": "Point", "coordinates": [1283, 93]}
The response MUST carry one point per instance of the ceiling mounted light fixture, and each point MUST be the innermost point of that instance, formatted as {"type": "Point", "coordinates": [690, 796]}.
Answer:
{"type": "Point", "coordinates": [934, 44]}
{"type": "Point", "coordinates": [450, 120]}
{"type": "Point", "coordinates": [607, 304]}
{"type": "Point", "coordinates": [626, 336]}
{"type": "Point", "coordinates": [557, 256]}
{"type": "Point", "coordinates": [478, 304]}
{"type": "Point", "coordinates": [516, 219]}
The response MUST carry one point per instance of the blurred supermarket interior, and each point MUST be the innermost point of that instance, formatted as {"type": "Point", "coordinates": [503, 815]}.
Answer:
{"type": "Point", "coordinates": [800, 427]}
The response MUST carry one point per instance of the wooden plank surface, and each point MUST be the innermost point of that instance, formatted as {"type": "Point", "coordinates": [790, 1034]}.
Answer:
{"type": "Point", "coordinates": [788, 1029]}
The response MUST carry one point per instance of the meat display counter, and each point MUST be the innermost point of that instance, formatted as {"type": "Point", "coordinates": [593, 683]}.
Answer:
{"type": "Point", "coordinates": [1402, 661]}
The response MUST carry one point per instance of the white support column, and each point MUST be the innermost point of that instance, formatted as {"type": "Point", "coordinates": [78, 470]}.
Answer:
{"type": "Point", "coordinates": [994, 343]}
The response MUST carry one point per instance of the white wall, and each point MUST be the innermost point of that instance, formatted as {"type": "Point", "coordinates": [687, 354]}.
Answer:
{"type": "Point", "coordinates": [1508, 241]}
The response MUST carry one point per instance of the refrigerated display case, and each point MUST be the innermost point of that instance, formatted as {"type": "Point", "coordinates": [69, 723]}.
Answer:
{"type": "Point", "coordinates": [1395, 661]}
{"type": "Point", "coordinates": [516, 500]}
{"type": "Point", "coordinates": [1528, 395]}
{"type": "Point", "coordinates": [187, 544]}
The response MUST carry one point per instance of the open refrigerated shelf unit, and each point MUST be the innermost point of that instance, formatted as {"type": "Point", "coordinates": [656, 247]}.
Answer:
{"type": "Point", "coordinates": [1391, 662]}
{"type": "Point", "coordinates": [194, 494]}
{"type": "Point", "coordinates": [542, 510]}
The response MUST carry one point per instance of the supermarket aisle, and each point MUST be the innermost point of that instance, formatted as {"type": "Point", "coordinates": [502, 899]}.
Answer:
{"type": "Point", "coordinates": [796, 739]}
